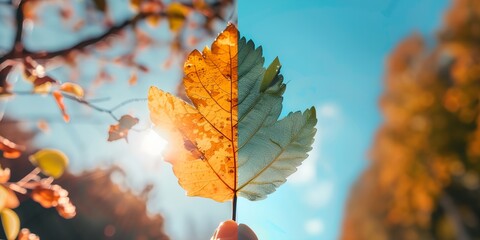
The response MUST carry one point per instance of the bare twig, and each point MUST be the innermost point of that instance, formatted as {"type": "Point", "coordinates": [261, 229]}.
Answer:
{"type": "Point", "coordinates": [127, 102]}
{"type": "Point", "coordinates": [88, 103]}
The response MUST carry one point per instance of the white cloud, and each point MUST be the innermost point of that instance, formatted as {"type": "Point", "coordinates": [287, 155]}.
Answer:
{"type": "Point", "coordinates": [314, 226]}
{"type": "Point", "coordinates": [307, 172]}
{"type": "Point", "coordinates": [328, 111]}
{"type": "Point", "coordinates": [320, 195]}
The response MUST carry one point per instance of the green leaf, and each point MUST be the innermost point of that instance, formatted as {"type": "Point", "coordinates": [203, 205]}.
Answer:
{"type": "Point", "coordinates": [52, 162]}
{"type": "Point", "coordinates": [10, 222]}
{"type": "Point", "coordinates": [271, 73]}
{"type": "Point", "coordinates": [270, 150]}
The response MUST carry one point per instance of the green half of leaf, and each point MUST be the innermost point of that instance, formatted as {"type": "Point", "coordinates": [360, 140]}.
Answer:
{"type": "Point", "coordinates": [269, 149]}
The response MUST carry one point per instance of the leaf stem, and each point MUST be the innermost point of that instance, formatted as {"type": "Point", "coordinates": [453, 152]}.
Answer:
{"type": "Point", "coordinates": [234, 207]}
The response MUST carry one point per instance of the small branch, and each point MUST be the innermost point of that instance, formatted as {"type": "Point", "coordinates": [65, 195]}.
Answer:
{"type": "Point", "coordinates": [34, 173]}
{"type": "Point", "coordinates": [19, 17]}
{"type": "Point", "coordinates": [9, 3]}
{"type": "Point", "coordinates": [20, 185]}
{"type": "Point", "coordinates": [88, 103]}
{"type": "Point", "coordinates": [127, 102]}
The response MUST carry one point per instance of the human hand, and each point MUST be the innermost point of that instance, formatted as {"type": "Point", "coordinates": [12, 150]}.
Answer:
{"type": "Point", "coordinates": [229, 230]}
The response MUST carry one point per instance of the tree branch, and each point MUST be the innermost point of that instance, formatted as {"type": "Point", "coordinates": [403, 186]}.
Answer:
{"type": "Point", "coordinates": [18, 50]}
{"type": "Point", "coordinates": [14, 53]}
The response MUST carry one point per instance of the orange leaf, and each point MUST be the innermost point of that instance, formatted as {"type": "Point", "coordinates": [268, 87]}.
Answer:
{"type": "Point", "coordinates": [46, 197]}
{"type": "Point", "coordinates": [73, 89]}
{"type": "Point", "coordinates": [135, 4]}
{"type": "Point", "coordinates": [57, 95]}
{"type": "Point", "coordinates": [4, 175]}
{"type": "Point", "coordinates": [133, 79]}
{"type": "Point", "coordinates": [43, 125]}
{"type": "Point", "coordinates": [120, 130]}
{"type": "Point", "coordinates": [154, 20]}
{"type": "Point", "coordinates": [10, 149]}
{"type": "Point", "coordinates": [67, 210]}
{"type": "Point", "coordinates": [25, 234]}
{"type": "Point", "coordinates": [54, 196]}
{"type": "Point", "coordinates": [205, 133]}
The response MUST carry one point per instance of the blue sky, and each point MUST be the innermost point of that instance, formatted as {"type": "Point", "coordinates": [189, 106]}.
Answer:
{"type": "Point", "coordinates": [332, 54]}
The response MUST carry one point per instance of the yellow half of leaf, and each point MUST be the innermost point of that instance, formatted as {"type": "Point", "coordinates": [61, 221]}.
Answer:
{"type": "Point", "coordinates": [10, 222]}
{"type": "Point", "coordinates": [203, 136]}
{"type": "Point", "coordinates": [52, 162]}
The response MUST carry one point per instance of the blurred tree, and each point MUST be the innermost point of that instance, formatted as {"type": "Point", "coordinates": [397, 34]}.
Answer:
{"type": "Point", "coordinates": [104, 210]}
{"type": "Point", "coordinates": [423, 179]}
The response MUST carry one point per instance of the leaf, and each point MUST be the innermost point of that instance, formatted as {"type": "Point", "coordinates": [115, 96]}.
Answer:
{"type": "Point", "coordinates": [12, 199]}
{"type": "Point", "coordinates": [57, 95]}
{"type": "Point", "coordinates": [3, 197]}
{"type": "Point", "coordinates": [43, 125]}
{"type": "Point", "coordinates": [135, 4]}
{"type": "Point", "coordinates": [10, 222]}
{"type": "Point", "coordinates": [46, 197]}
{"type": "Point", "coordinates": [72, 89]}
{"type": "Point", "coordinates": [154, 21]}
{"type": "Point", "coordinates": [10, 149]}
{"type": "Point", "coordinates": [52, 162]}
{"type": "Point", "coordinates": [230, 142]}
{"type": "Point", "coordinates": [176, 13]}
{"type": "Point", "coordinates": [4, 175]}
{"type": "Point", "coordinates": [54, 196]}
{"type": "Point", "coordinates": [8, 199]}
{"type": "Point", "coordinates": [67, 210]}
{"type": "Point", "coordinates": [133, 80]}
{"type": "Point", "coordinates": [100, 5]}
{"type": "Point", "coordinates": [120, 130]}
{"type": "Point", "coordinates": [5, 86]}
{"type": "Point", "coordinates": [270, 74]}
{"type": "Point", "coordinates": [43, 84]}
{"type": "Point", "coordinates": [25, 234]}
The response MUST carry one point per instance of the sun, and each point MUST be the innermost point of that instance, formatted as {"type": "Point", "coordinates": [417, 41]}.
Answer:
{"type": "Point", "coordinates": [153, 144]}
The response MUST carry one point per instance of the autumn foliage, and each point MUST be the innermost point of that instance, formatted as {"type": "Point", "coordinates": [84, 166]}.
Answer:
{"type": "Point", "coordinates": [423, 179]}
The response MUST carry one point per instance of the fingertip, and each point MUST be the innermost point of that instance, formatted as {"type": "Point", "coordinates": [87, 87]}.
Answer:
{"type": "Point", "coordinates": [227, 229]}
